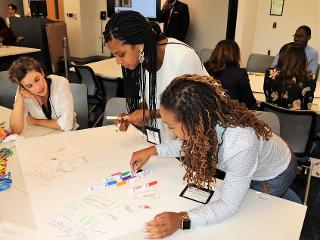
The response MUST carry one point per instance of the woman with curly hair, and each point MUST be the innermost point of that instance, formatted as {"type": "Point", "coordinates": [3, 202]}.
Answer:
{"type": "Point", "coordinates": [290, 83]}
{"type": "Point", "coordinates": [213, 132]}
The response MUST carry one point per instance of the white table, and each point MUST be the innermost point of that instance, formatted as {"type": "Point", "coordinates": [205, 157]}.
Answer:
{"type": "Point", "coordinates": [107, 69]}
{"type": "Point", "coordinates": [16, 50]}
{"type": "Point", "coordinates": [112, 150]}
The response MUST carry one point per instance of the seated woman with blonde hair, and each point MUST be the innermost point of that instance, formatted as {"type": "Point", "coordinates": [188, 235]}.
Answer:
{"type": "Point", "coordinates": [290, 83]}
{"type": "Point", "coordinates": [40, 100]}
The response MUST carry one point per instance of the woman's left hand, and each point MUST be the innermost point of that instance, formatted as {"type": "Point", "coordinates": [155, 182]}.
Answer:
{"type": "Point", "coordinates": [163, 225]}
{"type": "Point", "coordinates": [31, 120]}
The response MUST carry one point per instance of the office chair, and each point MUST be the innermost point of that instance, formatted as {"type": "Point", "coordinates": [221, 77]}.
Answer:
{"type": "Point", "coordinates": [271, 119]}
{"type": "Point", "coordinates": [7, 90]}
{"type": "Point", "coordinates": [317, 73]}
{"type": "Point", "coordinates": [114, 107]}
{"type": "Point", "coordinates": [96, 94]}
{"type": "Point", "coordinates": [19, 41]}
{"type": "Point", "coordinates": [205, 54]}
{"type": "Point", "coordinates": [259, 62]}
{"type": "Point", "coordinates": [297, 128]}
{"type": "Point", "coordinates": [80, 102]}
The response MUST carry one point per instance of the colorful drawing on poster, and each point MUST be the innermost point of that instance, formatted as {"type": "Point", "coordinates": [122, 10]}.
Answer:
{"type": "Point", "coordinates": [152, 194]}
{"type": "Point", "coordinates": [118, 211]}
{"type": "Point", "coordinates": [97, 202]}
{"type": "Point", "coordinates": [67, 229]}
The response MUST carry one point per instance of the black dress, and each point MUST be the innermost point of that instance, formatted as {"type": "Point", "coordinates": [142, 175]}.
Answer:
{"type": "Point", "coordinates": [236, 81]}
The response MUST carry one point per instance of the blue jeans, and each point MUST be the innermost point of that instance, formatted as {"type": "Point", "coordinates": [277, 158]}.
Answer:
{"type": "Point", "coordinates": [279, 186]}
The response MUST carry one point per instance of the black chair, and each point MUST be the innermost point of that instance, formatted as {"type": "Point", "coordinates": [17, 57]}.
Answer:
{"type": "Point", "coordinates": [7, 90]}
{"type": "Point", "coordinates": [19, 41]}
{"type": "Point", "coordinates": [96, 94]}
{"type": "Point", "coordinates": [297, 127]}
{"type": "Point", "coordinates": [80, 102]}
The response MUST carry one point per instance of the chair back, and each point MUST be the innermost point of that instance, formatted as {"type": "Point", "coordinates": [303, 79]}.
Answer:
{"type": "Point", "coordinates": [19, 41]}
{"type": "Point", "coordinates": [271, 119]}
{"type": "Point", "coordinates": [297, 127]}
{"type": "Point", "coordinates": [114, 107]}
{"type": "Point", "coordinates": [205, 54]}
{"type": "Point", "coordinates": [259, 62]}
{"type": "Point", "coordinates": [87, 77]}
{"type": "Point", "coordinates": [80, 102]}
{"type": "Point", "coordinates": [7, 90]}
{"type": "Point", "coordinates": [317, 73]}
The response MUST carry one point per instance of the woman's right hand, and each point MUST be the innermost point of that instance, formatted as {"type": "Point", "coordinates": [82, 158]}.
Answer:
{"type": "Point", "coordinates": [27, 94]}
{"type": "Point", "coordinates": [139, 158]}
{"type": "Point", "coordinates": [136, 117]}
{"type": "Point", "coordinates": [123, 123]}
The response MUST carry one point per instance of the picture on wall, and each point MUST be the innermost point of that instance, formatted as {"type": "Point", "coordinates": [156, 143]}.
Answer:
{"type": "Point", "coordinates": [123, 3]}
{"type": "Point", "coordinates": [276, 7]}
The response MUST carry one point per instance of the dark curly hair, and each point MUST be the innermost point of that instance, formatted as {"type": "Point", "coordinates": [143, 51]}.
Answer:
{"type": "Point", "coordinates": [200, 103]}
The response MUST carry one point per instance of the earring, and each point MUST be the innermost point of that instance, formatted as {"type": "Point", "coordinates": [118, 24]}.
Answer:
{"type": "Point", "coordinates": [141, 56]}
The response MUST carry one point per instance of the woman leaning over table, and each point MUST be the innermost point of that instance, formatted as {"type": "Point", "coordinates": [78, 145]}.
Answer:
{"type": "Point", "coordinates": [149, 62]}
{"type": "Point", "coordinates": [40, 100]}
{"type": "Point", "coordinates": [290, 84]}
{"type": "Point", "coordinates": [217, 132]}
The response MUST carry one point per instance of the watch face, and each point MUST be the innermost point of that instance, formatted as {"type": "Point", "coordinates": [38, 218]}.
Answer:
{"type": "Point", "coordinates": [186, 224]}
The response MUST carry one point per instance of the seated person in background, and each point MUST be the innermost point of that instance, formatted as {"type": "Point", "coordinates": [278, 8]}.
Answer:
{"type": "Point", "coordinates": [290, 84]}
{"type": "Point", "coordinates": [224, 64]}
{"type": "Point", "coordinates": [6, 35]}
{"type": "Point", "coordinates": [40, 100]}
{"type": "Point", "coordinates": [302, 36]}
{"type": "Point", "coordinates": [215, 131]}
{"type": "Point", "coordinates": [12, 12]}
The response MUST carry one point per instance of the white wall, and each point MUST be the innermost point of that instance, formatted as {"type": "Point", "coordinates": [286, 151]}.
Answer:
{"type": "Point", "coordinates": [84, 31]}
{"type": "Point", "coordinates": [245, 29]}
{"type": "Point", "coordinates": [256, 23]}
{"type": "Point", "coordinates": [208, 22]}
{"type": "Point", "coordinates": [73, 27]}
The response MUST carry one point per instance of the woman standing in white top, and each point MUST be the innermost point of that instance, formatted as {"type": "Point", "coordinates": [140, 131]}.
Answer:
{"type": "Point", "coordinates": [149, 62]}
{"type": "Point", "coordinates": [40, 100]}
{"type": "Point", "coordinates": [217, 132]}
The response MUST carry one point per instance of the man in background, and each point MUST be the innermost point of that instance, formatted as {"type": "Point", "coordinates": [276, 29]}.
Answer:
{"type": "Point", "coordinates": [301, 37]}
{"type": "Point", "coordinates": [12, 12]}
{"type": "Point", "coordinates": [175, 16]}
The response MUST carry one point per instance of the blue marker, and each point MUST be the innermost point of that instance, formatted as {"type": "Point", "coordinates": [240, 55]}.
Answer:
{"type": "Point", "coordinates": [110, 183]}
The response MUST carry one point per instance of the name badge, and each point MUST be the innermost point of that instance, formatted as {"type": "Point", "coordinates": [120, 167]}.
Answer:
{"type": "Point", "coordinates": [153, 135]}
{"type": "Point", "coordinates": [200, 195]}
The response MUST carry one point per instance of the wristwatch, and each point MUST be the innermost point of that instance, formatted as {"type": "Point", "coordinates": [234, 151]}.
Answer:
{"type": "Point", "coordinates": [186, 223]}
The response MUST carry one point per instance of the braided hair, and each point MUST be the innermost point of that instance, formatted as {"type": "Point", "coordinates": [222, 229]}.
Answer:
{"type": "Point", "coordinates": [200, 103]}
{"type": "Point", "coordinates": [131, 27]}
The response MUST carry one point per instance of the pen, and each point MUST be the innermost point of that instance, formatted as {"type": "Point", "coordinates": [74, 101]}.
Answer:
{"type": "Point", "coordinates": [144, 186]}
{"type": "Point", "coordinates": [112, 117]}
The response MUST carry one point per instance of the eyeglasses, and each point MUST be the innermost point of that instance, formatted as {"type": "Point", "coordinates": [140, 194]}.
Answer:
{"type": "Point", "coordinates": [297, 35]}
